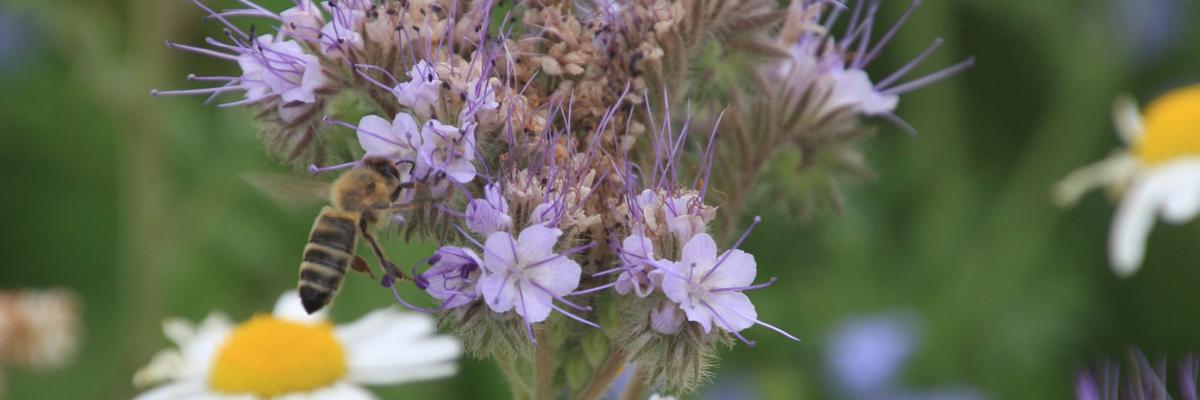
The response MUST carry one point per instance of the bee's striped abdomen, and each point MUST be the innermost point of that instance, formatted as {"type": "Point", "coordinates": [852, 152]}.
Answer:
{"type": "Point", "coordinates": [326, 256]}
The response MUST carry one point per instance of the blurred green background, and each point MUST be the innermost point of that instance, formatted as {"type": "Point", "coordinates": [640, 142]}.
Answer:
{"type": "Point", "coordinates": [135, 203]}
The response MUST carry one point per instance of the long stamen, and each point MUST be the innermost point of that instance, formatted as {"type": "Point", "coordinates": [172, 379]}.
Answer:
{"type": "Point", "coordinates": [224, 21]}
{"type": "Point", "coordinates": [595, 289]}
{"type": "Point", "coordinates": [195, 78]}
{"type": "Point", "coordinates": [561, 255]}
{"type": "Point", "coordinates": [866, 36]}
{"type": "Point", "coordinates": [315, 170]}
{"type": "Point", "coordinates": [574, 317]}
{"type": "Point", "coordinates": [745, 288]}
{"type": "Point", "coordinates": [764, 324]}
{"type": "Point", "coordinates": [718, 316]}
{"type": "Point", "coordinates": [900, 73]}
{"type": "Point", "coordinates": [887, 37]}
{"type": "Point", "coordinates": [247, 101]}
{"type": "Point", "coordinates": [721, 260]}
{"type": "Point", "coordinates": [471, 238]}
{"type": "Point", "coordinates": [373, 81]}
{"type": "Point", "coordinates": [259, 8]}
{"type": "Point", "coordinates": [931, 78]}
{"type": "Point", "coordinates": [710, 156]}
{"type": "Point", "coordinates": [189, 92]}
{"type": "Point", "coordinates": [557, 297]}
{"type": "Point", "coordinates": [899, 123]}
{"type": "Point", "coordinates": [243, 13]}
{"type": "Point", "coordinates": [608, 271]}
{"type": "Point", "coordinates": [201, 51]}
{"type": "Point", "coordinates": [525, 313]}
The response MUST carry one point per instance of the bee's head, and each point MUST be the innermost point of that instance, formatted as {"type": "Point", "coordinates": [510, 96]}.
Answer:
{"type": "Point", "coordinates": [370, 186]}
{"type": "Point", "coordinates": [384, 167]}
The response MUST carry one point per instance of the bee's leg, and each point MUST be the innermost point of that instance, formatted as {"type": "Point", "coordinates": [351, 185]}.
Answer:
{"type": "Point", "coordinates": [390, 270]}
{"type": "Point", "coordinates": [359, 265]}
{"type": "Point", "coordinates": [401, 187]}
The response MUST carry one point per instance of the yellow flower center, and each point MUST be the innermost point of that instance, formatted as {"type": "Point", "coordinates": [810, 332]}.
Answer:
{"type": "Point", "coordinates": [269, 357]}
{"type": "Point", "coordinates": [1171, 127]}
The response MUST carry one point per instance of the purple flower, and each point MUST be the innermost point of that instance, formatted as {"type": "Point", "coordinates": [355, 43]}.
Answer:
{"type": "Point", "coordinates": [445, 149]}
{"type": "Point", "coordinates": [708, 291]}
{"type": "Point", "coordinates": [281, 68]}
{"type": "Point", "coordinates": [452, 276]}
{"type": "Point", "coordinates": [342, 31]}
{"type": "Point", "coordinates": [708, 288]}
{"type": "Point", "coordinates": [546, 213]}
{"type": "Point", "coordinates": [526, 275]}
{"type": "Point", "coordinates": [394, 140]}
{"type": "Point", "coordinates": [421, 91]}
{"type": "Point", "coordinates": [833, 70]}
{"type": "Point", "coordinates": [270, 69]}
{"type": "Point", "coordinates": [489, 214]}
{"type": "Point", "coordinates": [853, 89]}
{"type": "Point", "coordinates": [302, 21]}
{"type": "Point", "coordinates": [686, 215]}
{"type": "Point", "coordinates": [481, 96]}
{"type": "Point", "coordinates": [639, 274]}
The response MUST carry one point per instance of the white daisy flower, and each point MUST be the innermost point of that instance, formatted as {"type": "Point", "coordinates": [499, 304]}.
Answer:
{"type": "Point", "coordinates": [290, 355]}
{"type": "Point", "coordinates": [1156, 175]}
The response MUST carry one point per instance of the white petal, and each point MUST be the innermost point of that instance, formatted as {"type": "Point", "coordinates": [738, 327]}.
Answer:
{"type": "Point", "coordinates": [179, 330]}
{"type": "Point", "coordinates": [289, 307]}
{"type": "Point", "coordinates": [1127, 239]}
{"type": "Point", "coordinates": [405, 130]}
{"type": "Point", "coordinates": [1127, 119]}
{"type": "Point", "coordinates": [536, 243]}
{"type": "Point", "coordinates": [186, 390]}
{"type": "Point", "coordinates": [338, 391]}
{"type": "Point", "coordinates": [394, 376]}
{"type": "Point", "coordinates": [1182, 179]}
{"type": "Point", "coordinates": [499, 292]}
{"type": "Point", "coordinates": [1114, 172]}
{"type": "Point", "coordinates": [734, 309]}
{"type": "Point", "coordinates": [639, 246]}
{"type": "Point", "coordinates": [736, 268]}
{"type": "Point", "coordinates": [203, 346]}
{"type": "Point", "coordinates": [397, 354]}
{"type": "Point", "coordinates": [499, 252]}
{"type": "Point", "coordinates": [385, 324]}
{"type": "Point", "coordinates": [374, 134]}
{"type": "Point", "coordinates": [533, 303]}
{"type": "Point", "coordinates": [403, 361]}
{"type": "Point", "coordinates": [701, 251]}
{"type": "Point", "coordinates": [167, 364]}
{"type": "Point", "coordinates": [560, 275]}
{"type": "Point", "coordinates": [1173, 189]}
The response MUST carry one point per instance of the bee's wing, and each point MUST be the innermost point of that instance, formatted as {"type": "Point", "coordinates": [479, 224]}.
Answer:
{"type": "Point", "coordinates": [288, 191]}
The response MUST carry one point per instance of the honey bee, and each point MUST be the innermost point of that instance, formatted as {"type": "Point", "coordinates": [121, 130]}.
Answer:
{"type": "Point", "coordinates": [361, 200]}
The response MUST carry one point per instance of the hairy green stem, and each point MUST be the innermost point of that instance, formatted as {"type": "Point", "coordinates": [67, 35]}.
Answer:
{"type": "Point", "coordinates": [517, 387]}
{"type": "Point", "coordinates": [543, 366]}
{"type": "Point", "coordinates": [604, 376]}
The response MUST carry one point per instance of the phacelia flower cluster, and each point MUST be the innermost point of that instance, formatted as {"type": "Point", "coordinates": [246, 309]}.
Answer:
{"type": "Point", "coordinates": [537, 145]}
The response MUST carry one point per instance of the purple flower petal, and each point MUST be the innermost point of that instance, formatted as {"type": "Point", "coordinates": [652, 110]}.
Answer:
{"type": "Point", "coordinates": [536, 243]}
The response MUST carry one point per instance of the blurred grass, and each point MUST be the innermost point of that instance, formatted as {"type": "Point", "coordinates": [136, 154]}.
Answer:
{"type": "Point", "coordinates": [135, 203]}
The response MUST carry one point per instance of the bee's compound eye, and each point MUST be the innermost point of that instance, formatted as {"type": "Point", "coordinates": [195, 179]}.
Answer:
{"type": "Point", "coordinates": [383, 166]}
